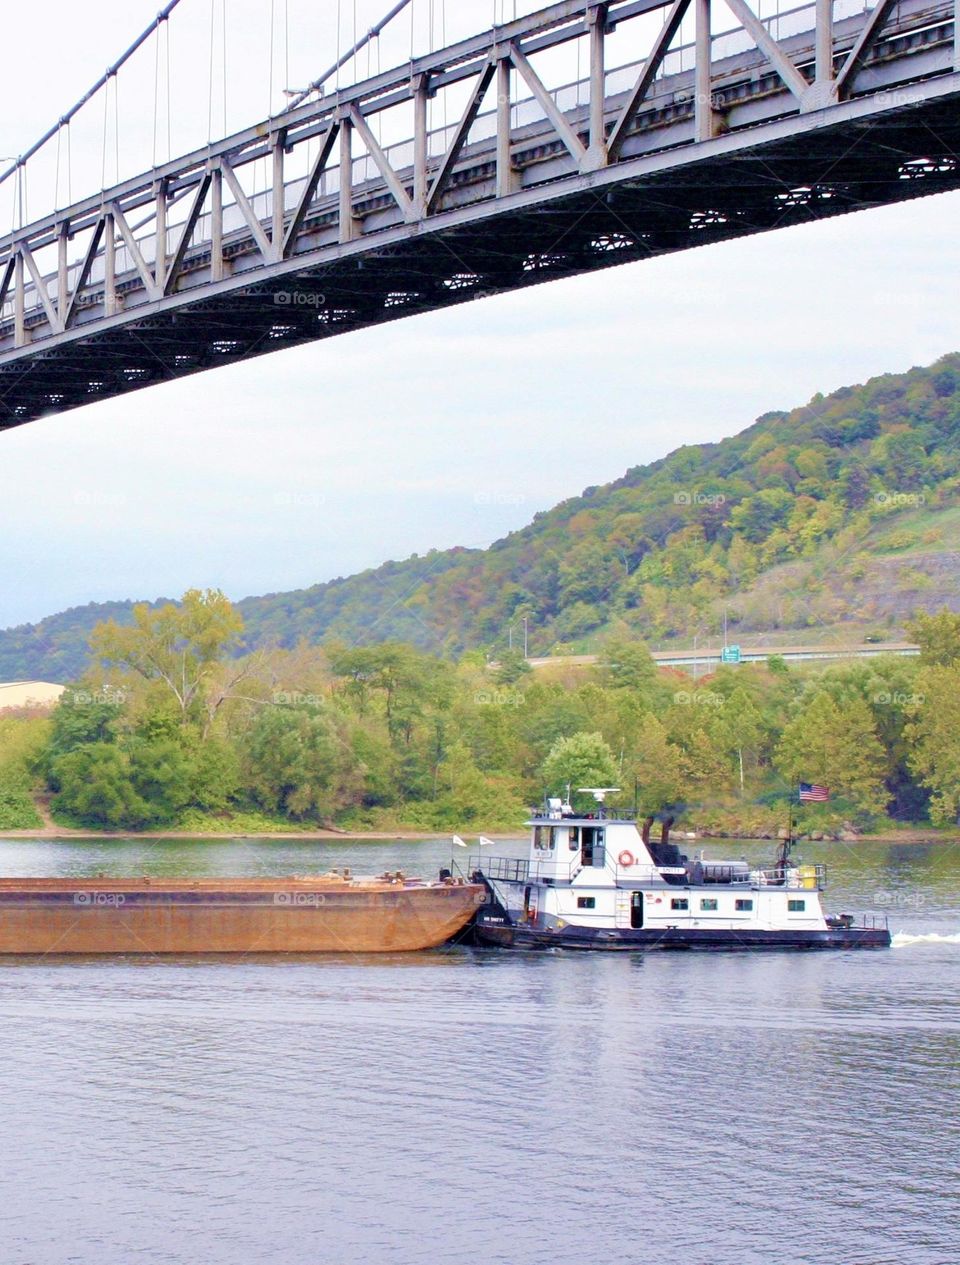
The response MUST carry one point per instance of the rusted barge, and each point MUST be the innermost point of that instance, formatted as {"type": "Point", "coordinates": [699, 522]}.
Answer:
{"type": "Point", "coordinates": [329, 913]}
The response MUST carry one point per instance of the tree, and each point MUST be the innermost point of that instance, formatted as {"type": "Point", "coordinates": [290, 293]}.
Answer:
{"type": "Point", "coordinates": [584, 759]}
{"type": "Point", "coordinates": [179, 644]}
{"type": "Point", "coordinates": [296, 762]}
{"type": "Point", "coordinates": [934, 737]}
{"type": "Point", "coordinates": [656, 766]}
{"type": "Point", "coordinates": [511, 667]}
{"type": "Point", "coordinates": [628, 664]}
{"type": "Point", "coordinates": [938, 636]}
{"type": "Point", "coordinates": [737, 727]}
{"type": "Point", "coordinates": [96, 788]}
{"type": "Point", "coordinates": [837, 747]}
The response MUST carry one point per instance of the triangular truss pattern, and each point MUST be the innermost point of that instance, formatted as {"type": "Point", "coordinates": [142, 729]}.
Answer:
{"type": "Point", "coordinates": [198, 224]}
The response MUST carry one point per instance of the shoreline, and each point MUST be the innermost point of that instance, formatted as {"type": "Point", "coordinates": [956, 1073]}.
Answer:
{"type": "Point", "coordinates": [66, 834]}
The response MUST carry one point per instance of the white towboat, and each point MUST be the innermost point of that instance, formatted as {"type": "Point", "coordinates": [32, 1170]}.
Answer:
{"type": "Point", "coordinates": [597, 881]}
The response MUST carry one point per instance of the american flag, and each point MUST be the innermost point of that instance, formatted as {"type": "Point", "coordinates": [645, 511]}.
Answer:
{"type": "Point", "coordinates": [811, 793]}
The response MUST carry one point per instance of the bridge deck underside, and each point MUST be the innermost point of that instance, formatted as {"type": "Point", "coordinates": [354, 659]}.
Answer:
{"type": "Point", "coordinates": [851, 166]}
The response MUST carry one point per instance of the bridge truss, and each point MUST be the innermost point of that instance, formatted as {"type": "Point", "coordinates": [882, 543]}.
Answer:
{"type": "Point", "coordinates": [825, 109]}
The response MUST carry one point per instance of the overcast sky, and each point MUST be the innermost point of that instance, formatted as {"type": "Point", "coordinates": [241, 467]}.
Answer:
{"type": "Point", "coordinates": [446, 429]}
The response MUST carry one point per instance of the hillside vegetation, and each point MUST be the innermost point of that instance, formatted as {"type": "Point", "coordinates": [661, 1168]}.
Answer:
{"type": "Point", "coordinates": [837, 519]}
{"type": "Point", "coordinates": [178, 730]}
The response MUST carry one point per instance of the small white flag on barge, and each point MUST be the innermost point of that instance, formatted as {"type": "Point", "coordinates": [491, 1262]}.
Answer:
{"type": "Point", "coordinates": [812, 793]}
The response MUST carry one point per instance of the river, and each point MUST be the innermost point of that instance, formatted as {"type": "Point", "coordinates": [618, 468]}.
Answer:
{"type": "Point", "coordinates": [479, 1106]}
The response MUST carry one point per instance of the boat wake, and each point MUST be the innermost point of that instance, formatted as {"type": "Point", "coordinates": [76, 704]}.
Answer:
{"type": "Point", "coordinates": [902, 939]}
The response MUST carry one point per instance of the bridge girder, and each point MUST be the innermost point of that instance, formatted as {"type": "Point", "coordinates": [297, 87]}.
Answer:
{"type": "Point", "coordinates": [781, 132]}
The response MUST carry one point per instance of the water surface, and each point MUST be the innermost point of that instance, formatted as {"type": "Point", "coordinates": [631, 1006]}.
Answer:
{"type": "Point", "coordinates": [475, 1105]}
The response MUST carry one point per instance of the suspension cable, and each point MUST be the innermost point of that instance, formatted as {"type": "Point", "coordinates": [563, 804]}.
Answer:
{"type": "Point", "coordinates": [104, 79]}
{"type": "Point", "coordinates": [374, 31]}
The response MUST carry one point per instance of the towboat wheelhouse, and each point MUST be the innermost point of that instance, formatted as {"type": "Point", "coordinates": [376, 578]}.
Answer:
{"type": "Point", "coordinates": [596, 880]}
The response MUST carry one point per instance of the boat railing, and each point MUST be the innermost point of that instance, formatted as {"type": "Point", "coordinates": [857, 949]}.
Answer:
{"type": "Point", "coordinates": [795, 877]}
{"type": "Point", "coordinates": [503, 869]}
{"type": "Point", "coordinates": [863, 922]}
{"type": "Point", "coordinates": [523, 870]}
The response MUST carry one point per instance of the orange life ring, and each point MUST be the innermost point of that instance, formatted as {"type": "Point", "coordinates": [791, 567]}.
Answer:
{"type": "Point", "coordinates": [626, 859]}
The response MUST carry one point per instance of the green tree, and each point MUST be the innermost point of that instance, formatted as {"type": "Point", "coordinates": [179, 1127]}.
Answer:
{"type": "Point", "coordinates": [836, 746]}
{"type": "Point", "coordinates": [96, 788]}
{"type": "Point", "coordinates": [295, 762]}
{"type": "Point", "coordinates": [736, 728]}
{"type": "Point", "coordinates": [656, 767]}
{"type": "Point", "coordinates": [511, 667]}
{"type": "Point", "coordinates": [628, 664]}
{"type": "Point", "coordinates": [180, 644]}
{"type": "Point", "coordinates": [583, 759]}
{"type": "Point", "coordinates": [934, 739]}
{"type": "Point", "coordinates": [938, 636]}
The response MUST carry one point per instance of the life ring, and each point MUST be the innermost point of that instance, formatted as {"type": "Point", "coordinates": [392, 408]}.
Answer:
{"type": "Point", "coordinates": [626, 859]}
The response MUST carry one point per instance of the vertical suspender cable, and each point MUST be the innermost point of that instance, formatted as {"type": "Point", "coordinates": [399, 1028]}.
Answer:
{"type": "Point", "coordinates": [338, 46]}
{"type": "Point", "coordinates": [169, 96]}
{"type": "Point", "coordinates": [273, 23]}
{"type": "Point", "coordinates": [156, 94]}
{"type": "Point", "coordinates": [101, 82]}
{"type": "Point", "coordinates": [210, 82]}
{"type": "Point", "coordinates": [223, 66]}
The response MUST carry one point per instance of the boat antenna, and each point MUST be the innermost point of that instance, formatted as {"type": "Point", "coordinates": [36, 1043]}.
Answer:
{"type": "Point", "coordinates": [599, 793]}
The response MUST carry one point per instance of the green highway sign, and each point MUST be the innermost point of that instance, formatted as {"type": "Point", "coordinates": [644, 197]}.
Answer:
{"type": "Point", "coordinates": [730, 654]}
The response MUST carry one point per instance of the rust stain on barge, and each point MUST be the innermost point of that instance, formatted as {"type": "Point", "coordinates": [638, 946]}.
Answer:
{"type": "Point", "coordinates": [322, 914]}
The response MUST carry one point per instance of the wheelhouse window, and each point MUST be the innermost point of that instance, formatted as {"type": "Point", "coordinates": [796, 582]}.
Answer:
{"type": "Point", "coordinates": [708, 903]}
{"type": "Point", "coordinates": [544, 837]}
{"type": "Point", "coordinates": [574, 843]}
{"type": "Point", "coordinates": [796, 906]}
{"type": "Point", "coordinates": [743, 906]}
{"type": "Point", "coordinates": [679, 902]}
{"type": "Point", "coordinates": [586, 902]}
{"type": "Point", "coordinates": [591, 839]}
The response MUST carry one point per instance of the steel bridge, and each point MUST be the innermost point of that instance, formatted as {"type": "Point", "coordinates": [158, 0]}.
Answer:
{"type": "Point", "coordinates": [827, 108]}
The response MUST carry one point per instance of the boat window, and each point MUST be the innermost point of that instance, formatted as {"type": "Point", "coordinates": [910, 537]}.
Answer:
{"type": "Point", "coordinates": [743, 906]}
{"type": "Point", "coordinates": [679, 902]}
{"type": "Point", "coordinates": [592, 845]}
{"type": "Point", "coordinates": [544, 837]}
{"type": "Point", "coordinates": [708, 902]}
{"type": "Point", "coordinates": [636, 909]}
{"type": "Point", "coordinates": [574, 838]}
{"type": "Point", "coordinates": [586, 902]}
{"type": "Point", "coordinates": [796, 906]}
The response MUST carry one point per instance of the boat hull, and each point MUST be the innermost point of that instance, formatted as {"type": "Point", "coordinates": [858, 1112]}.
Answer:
{"type": "Point", "coordinates": [56, 916]}
{"type": "Point", "coordinates": [509, 935]}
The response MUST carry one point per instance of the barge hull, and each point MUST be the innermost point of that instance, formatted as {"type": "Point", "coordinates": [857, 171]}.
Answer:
{"type": "Point", "coordinates": [512, 936]}
{"type": "Point", "coordinates": [49, 917]}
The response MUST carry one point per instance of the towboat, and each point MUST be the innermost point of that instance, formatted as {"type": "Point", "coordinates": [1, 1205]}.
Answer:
{"type": "Point", "coordinates": [328, 913]}
{"type": "Point", "coordinates": [598, 881]}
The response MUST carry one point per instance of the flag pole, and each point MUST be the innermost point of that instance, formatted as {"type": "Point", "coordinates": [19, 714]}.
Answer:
{"type": "Point", "coordinates": [787, 844]}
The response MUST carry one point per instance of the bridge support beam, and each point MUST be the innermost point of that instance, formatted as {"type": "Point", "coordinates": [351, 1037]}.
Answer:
{"type": "Point", "coordinates": [216, 223]}
{"type": "Point", "coordinates": [704, 121]}
{"type": "Point", "coordinates": [421, 96]}
{"type": "Point", "coordinates": [63, 239]}
{"type": "Point", "coordinates": [348, 225]}
{"type": "Point", "coordinates": [109, 264]}
{"type": "Point", "coordinates": [277, 207]}
{"type": "Point", "coordinates": [596, 156]}
{"type": "Point", "coordinates": [506, 175]}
